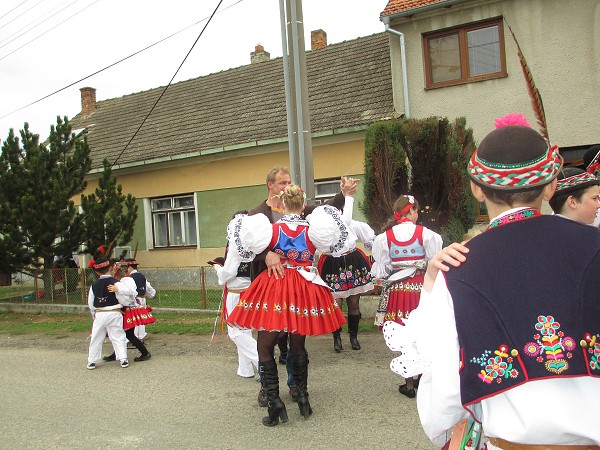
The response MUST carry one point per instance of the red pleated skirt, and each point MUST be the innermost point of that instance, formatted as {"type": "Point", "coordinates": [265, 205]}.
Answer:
{"type": "Point", "coordinates": [399, 299]}
{"type": "Point", "coordinates": [137, 315]}
{"type": "Point", "coordinates": [290, 304]}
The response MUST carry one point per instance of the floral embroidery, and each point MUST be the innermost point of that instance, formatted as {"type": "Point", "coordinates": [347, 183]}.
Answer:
{"type": "Point", "coordinates": [550, 345]}
{"type": "Point", "coordinates": [593, 347]}
{"type": "Point", "coordinates": [514, 217]}
{"type": "Point", "coordinates": [348, 278]}
{"type": "Point", "coordinates": [496, 367]}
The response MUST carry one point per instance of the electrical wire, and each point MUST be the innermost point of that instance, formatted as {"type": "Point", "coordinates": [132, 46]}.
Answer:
{"type": "Point", "coordinates": [24, 1]}
{"type": "Point", "coordinates": [113, 64]}
{"type": "Point", "coordinates": [47, 31]}
{"type": "Point", "coordinates": [169, 84]}
{"type": "Point", "coordinates": [32, 22]}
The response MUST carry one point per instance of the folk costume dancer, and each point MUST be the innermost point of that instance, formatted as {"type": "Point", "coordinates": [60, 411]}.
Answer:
{"type": "Point", "coordinates": [591, 162]}
{"type": "Point", "coordinates": [235, 276]}
{"type": "Point", "coordinates": [576, 196]}
{"type": "Point", "coordinates": [401, 254]}
{"type": "Point", "coordinates": [144, 290]}
{"type": "Point", "coordinates": [106, 298]}
{"type": "Point", "coordinates": [134, 314]}
{"type": "Point", "coordinates": [277, 180]}
{"type": "Point", "coordinates": [348, 273]}
{"type": "Point", "coordinates": [299, 302]}
{"type": "Point", "coordinates": [518, 322]}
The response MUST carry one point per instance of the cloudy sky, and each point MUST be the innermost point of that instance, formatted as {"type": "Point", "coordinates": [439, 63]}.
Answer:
{"type": "Point", "coordinates": [46, 45]}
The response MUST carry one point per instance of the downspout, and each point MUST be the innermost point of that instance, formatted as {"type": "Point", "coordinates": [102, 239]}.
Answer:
{"type": "Point", "coordinates": [404, 72]}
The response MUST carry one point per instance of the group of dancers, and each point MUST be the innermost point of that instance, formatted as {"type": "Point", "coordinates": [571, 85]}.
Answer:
{"type": "Point", "coordinates": [273, 285]}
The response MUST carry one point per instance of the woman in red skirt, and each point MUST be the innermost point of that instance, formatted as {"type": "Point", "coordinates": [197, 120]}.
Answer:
{"type": "Point", "coordinates": [300, 302]}
{"type": "Point", "coordinates": [401, 254]}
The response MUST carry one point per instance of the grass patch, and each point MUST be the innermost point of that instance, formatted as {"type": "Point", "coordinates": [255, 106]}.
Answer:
{"type": "Point", "coordinates": [58, 323]}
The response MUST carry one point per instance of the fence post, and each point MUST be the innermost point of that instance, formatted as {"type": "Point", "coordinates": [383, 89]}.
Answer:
{"type": "Point", "coordinates": [203, 287]}
{"type": "Point", "coordinates": [83, 286]}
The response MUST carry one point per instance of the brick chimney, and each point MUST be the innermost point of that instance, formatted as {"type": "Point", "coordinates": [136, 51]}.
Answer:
{"type": "Point", "coordinates": [318, 39]}
{"type": "Point", "coordinates": [88, 100]}
{"type": "Point", "coordinates": [259, 54]}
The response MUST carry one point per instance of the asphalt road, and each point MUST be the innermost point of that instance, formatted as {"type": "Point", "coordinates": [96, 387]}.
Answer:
{"type": "Point", "coordinates": [188, 396]}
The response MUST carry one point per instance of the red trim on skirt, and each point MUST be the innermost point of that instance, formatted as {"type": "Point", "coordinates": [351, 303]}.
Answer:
{"type": "Point", "coordinates": [136, 316]}
{"type": "Point", "coordinates": [290, 304]}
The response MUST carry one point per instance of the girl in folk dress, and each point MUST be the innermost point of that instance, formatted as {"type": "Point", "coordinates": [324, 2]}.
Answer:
{"type": "Point", "coordinates": [348, 273]}
{"type": "Point", "coordinates": [299, 303]}
{"type": "Point", "coordinates": [401, 254]}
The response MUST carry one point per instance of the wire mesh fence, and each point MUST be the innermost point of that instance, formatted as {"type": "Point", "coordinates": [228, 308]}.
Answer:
{"type": "Point", "coordinates": [176, 287]}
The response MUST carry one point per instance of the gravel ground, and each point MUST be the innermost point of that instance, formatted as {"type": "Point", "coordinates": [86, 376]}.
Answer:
{"type": "Point", "coordinates": [188, 396]}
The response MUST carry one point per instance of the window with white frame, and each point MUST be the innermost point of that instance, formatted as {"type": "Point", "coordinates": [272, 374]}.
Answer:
{"type": "Point", "coordinates": [326, 189]}
{"type": "Point", "coordinates": [464, 54]}
{"type": "Point", "coordinates": [174, 221]}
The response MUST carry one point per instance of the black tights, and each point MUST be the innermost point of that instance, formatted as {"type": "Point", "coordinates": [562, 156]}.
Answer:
{"type": "Point", "coordinates": [131, 337]}
{"type": "Point", "coordinates": [268, 339]}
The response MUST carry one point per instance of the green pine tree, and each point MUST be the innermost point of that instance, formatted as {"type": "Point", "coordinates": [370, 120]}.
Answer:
{"type": "Point", "coordinates": [109, 215]}
{"type": "Point", "coordinates": [38, 183]}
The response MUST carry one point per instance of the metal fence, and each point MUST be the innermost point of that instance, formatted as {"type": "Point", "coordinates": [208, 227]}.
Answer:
{"type": "Point", "coordinates": [177, 287]}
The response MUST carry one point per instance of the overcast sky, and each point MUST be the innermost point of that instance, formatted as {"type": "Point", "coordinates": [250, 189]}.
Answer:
{"type": "Point", "coordinates": [46, 45]}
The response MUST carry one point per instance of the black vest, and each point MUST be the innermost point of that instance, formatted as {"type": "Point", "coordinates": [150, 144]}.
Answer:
{"type": "Point", "coordinates": [244, 270]}
{"type": "Point", "coordinates": [102, 297]}
{"type": "Point", "coordinates": [140, 283]}
{"type": "Point", "coordinates": [527, 305]}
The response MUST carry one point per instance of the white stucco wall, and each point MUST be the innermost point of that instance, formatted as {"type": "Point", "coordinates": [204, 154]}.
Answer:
{"type": "Point", "coordinates": [561, 43]}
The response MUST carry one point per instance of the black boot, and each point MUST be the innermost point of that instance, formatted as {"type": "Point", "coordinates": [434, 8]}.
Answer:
{"type": "Point", "coordinates": [282, 343]}
{"type": "Point", "coordinates": [353, 330]}
{"type": "Point", "coordinates": [300, 372]}
{"type": "Point", "coordinates": [270, 379]}
{"type": "Point", "coordinates": [337, 340]}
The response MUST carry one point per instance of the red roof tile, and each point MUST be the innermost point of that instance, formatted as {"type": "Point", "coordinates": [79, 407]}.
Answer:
{"type": "Point", "coordinates": [396, 6]}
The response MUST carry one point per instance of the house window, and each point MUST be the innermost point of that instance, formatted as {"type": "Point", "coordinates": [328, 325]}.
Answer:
{"type": "Point", "coordinates": [326, 189]}
{"type": "Point", "coordinates": [174, 221]}
{"type": "Point", "coordinates": [465, 54]}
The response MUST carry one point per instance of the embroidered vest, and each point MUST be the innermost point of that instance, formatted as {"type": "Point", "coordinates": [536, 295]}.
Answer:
{"type": "Point", "coordinates": [408, 250]}
{"type": "Point", "coordinates": [140, 283]}
{"type": "Point", "coordinates": [526, 305]}
{"type": "Point", "coordinates": [244, 270]}
{"type": "Point", "coordinates": [293, 244]}
{"type": "Point", "coordinates": [102, 297]}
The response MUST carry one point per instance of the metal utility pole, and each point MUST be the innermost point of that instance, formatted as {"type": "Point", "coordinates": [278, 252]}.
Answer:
{"type": "Point", "coordinates": [296, 96]}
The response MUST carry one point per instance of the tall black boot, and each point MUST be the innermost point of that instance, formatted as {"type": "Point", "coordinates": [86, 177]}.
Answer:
{"type": "Point", "coordinates": [337, 340]}
{"type": "Point", "coordinates": [282, 343]}
{"type": "Point", "coordinates": [300, 373]}
{"type": "Point", "coordinates": [276, 408]}
{"type": "Point", "coordinates": [353, 330]}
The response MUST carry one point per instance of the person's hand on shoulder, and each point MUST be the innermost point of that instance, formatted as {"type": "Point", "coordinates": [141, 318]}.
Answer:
{"type": "Point", "coordinates": [453, 255]}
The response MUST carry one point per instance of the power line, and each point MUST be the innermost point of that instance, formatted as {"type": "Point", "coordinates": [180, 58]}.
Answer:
{"type": "Point", "coordinates": [47, 31]}
{"type": "Point", "coordinates": [24, 1]}
{"type": "Point", "coordinates": [169, 84]}
{"type": "Point", "coordinates": [30, 23]}
{"type": "Point", "coordinates": [115, 63]}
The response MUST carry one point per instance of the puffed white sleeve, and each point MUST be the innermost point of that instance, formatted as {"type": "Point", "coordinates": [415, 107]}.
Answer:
{"type": "Point", "coordinates": [363, 232]}
{"type": "Point", "coordinates": [250, 235]}
{"type": "Point", "coordinates": [382, 264]}
{"type": "Point", "coordinates": [432, 242]}
{"type": "Point", "coordinates": [348, 209]}
{"type": "Point", "coordinates": [328, 231]}
{"type": "Point", "coordinates": [229, 270]}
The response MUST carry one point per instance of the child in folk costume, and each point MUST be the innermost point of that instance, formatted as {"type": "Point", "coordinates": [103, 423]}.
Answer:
{"type": "Point", "coordinates": [144, 291]}
{"type": "Point", "coordinates": [299, 302]}
{"type": "Point", "coordinates": [576, 196]}
{"type": "Point", "coordinates": [106, 298]}
{"type": "Point", "coordinates": [235, 276]}
{"type": "Point", "coordinates": [516, 309]}
{"type": "Point", "coordinates": [348, 273]}
{"type": "Point", "coordinates": [401, 254]}
{"type": "Point", "coordinates": [135, 314]}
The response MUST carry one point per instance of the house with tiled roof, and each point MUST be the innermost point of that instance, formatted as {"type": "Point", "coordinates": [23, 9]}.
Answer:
{"type": "Point", "coordinates": [204, 151]}
{"type": "Point", "coordinates": [455, 58]}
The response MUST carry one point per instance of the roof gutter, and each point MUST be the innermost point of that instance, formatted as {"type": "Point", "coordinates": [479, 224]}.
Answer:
{"type": "Point", "coordinates": [421, 9]}
{"type": "Point", "coordinates": [404, 71]}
